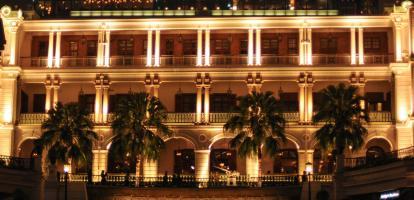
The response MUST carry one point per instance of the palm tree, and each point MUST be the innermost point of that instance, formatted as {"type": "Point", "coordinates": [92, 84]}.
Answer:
{"type": "Point", "coordinates": [258, 124]}
{"type": "Point", "coordinates": [343, 118]}
{"type": "Point", "coordinates": [67, 136]}
{"type": "Point", "coordinates": [138, 127]}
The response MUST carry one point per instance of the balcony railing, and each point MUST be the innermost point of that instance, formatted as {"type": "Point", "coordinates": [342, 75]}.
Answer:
{"type": "Point", "coordinates": [191, 181]}
{"type": "Point", "coordinates": [9, 162]}
{"type": "Point", "coordinates": [180, 118]}
{"type": "Point", "coordinates": [386, 158]}
{"type": "Point", "coordinates": [215, 60]}
{"type": "Point", "coordinates": [380, 117]}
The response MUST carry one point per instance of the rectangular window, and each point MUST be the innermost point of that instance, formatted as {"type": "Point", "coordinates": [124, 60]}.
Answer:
{"type": "Point", "coordinates": [375, 101]}
{"type": "Point", "coordinates": [185, 103]}
{"type": "Point", "coordinates": [169, 47]}
{"type": "Point", "coordinates": [190, 47]}
{"type": "Point", "coordinates": [372, 43]}
{"type": "Point", "coordinates": [292, 46]}
{"type": "Point", "coordinates": [317, 100]}
{"type": "Point", "coordinates": [222, 102]}
{"type": "Point", "coordinates": [88, 101]}
{"type": "Point", "coordinates": [126, 47]}
{"type": "Point", "coordinates": [221, 47]}
{"type": "Point", "coordinates": [243, 47]}
{"type": "Point", "coordinates": [39, 102]}
{"type": "Point", "coordinates": [91, 48]}
{"type": "Point", "coordinates": [270, 46]}
{"type": "Point", "coordinates": [43, 49]}
{"type": "Point", "coordinates": [73, 49]}
{"type": "Point", "coordinates": [114, 101]}
{"type": "Point", "coordinates": [328, 45]}
{"type": "Point", "coordinates": [290, 102]}
{"type": "Point", "coordinates": [24, 102]}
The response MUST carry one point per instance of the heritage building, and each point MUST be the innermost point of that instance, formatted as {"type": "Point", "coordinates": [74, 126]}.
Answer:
{"type": "Point", "coordinates": [197, 56]}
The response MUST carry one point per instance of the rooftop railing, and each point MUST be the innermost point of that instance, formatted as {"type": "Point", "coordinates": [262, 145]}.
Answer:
{"type": "Point", "coordinates": [215, 60]}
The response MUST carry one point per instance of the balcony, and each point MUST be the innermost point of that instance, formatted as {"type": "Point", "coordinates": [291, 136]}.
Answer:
{"type": "Point", "coordinates": [214, 118]}
{"type": "Point", "coordinates": [215, 60]}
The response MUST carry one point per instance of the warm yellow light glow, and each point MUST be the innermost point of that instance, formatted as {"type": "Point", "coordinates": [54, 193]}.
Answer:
{"type": "Point", "coordinates": [66, 168]}
{"type": "Point", "coordinates": [250, 47]}
{"type": "Point", "coordinates": [157, 48]}
{"type": "Point", "coordinates": [50, 50]}
{"type": "Point", "coordinates": [207, 48]}
{"type": "Point", "coordinates": [199, 47]}
{"type": "Point", "coordinates": [353, 46]}
{"type": "Point", "coordinates": [57, 50]}
{"type": "Point", "coordinates": [149, 48]}
{"type": "Point", "coordinates": [309, 168]}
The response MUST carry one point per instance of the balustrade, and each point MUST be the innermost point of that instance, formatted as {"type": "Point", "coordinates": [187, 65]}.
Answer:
{"type": "Point", "coordinates": [215, 60]}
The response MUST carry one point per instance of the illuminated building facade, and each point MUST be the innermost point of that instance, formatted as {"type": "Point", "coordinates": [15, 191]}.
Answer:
{"type": "Point", "coordinates": [198, 56]}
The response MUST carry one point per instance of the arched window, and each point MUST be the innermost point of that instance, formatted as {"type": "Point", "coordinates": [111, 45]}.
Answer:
{"type": "Point", "coordinates": [222, 160]}
{"type": "Point", "coordinates": [323, 163]}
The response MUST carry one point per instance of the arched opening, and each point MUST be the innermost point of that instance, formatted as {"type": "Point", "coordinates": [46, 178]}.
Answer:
{"type": "Point", "coordinates": [222, 158]}
{"type": "Point", "coordinates": [120, 163]}
{"type": "Point", "coordinates": [323, 162]}
{"type": "Point", "coordinates": [177, 157]}
{"type": "Point", "coordinates": [377, 149]}
{"type": "Point", "coordinates": [286, 160]}
{"type": "Point", "coordinates": [26, 149]}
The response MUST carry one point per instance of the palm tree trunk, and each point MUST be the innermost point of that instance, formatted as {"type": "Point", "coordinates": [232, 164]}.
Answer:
{"type": "Point", "coordinates": [138, 171]}
{"type": "Point", "coordinates": [340, 163]}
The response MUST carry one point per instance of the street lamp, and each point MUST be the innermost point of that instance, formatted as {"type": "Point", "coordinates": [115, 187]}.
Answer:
{"type": "Point", "coordinates": [66, 170]}
{"type": "Point", "coordinates": [309, 170]}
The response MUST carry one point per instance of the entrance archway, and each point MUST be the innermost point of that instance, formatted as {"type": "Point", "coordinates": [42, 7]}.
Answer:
{"type": "Point", "coordinates": [224, 159]}
{"type": "Point", "coordinates": [377, 149]}
{"type": "Point", "coordinates": [26, 149]}
{"type": "Point", "coordinates": [286, 160]}
{"type": "Point", "coordinates": [177, 157]}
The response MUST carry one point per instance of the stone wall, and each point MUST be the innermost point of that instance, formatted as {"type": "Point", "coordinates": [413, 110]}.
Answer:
{"type": "Point", "coordinates": [113, 193]}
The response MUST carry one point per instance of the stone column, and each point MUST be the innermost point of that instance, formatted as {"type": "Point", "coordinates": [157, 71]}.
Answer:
{"type": "Point", "coordinates": [99, 163]}
{"type": "Point", "coordinates": [304, 156]}
{"type": "Point", "coordinates": [8, 102]}
{"type": "Point", "coordinates": [302, 52]}
{"type": "Point", "coordinates": [361, 45]}
{"type": "Point", "coordinates": [207, 104]}
{"type": "Point", "coordinates": [252, 168]}
{"type": "Point", "coordinates": [50, 50]}
{"type": "Point", "coordinates": [157, 48]}
{"type": "Point", "coordinates": [199, 47]}
{"type": "Point", "coordinates": [302, 102]}
{"type": "Point", "coordinates": [13, 45]}
{"type": "Point", "coordinates": [55, 94]}
{"type": "Point", "coordinates": [149, 48]}
{"type": "Point", "coordinates": [48, 104]}
{"type": "Point", "coordinates": [353, 47]}
{"type": "Point", "coordinates": [156, 89]}
{"type": "Point", "coordinates": [107, 55]}
{"type": "Point", "coordinates": [207, 48]}
{"type": "Point", "coordinates": [98, 103]}
{"type": "Point", "coordinates": [250, 56]}
{"type": "Point", "coordinates": [57, 50]}
{"type": "Point", "coordinates": [150, 170]}
{"type": "Point", "coordinates": [199, 103]}
{"type": "Point", "coordinates": [309, 102]}
{"type": "Point", "coordinates": [309, 59]}
{"type": "Point", "coordinates": [202, 166]}
{"type": "Point", "coordinates": [403, 107]}
{"type": "Point", "coordinates": [258, 47]}
{"type": "Point", "coordinates": [100, 49]}
{"type": "Point", "coordinates": [105, 103]}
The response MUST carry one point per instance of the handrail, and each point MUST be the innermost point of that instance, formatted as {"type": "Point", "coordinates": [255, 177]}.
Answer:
{"type": "Point", "coordinates": [388, 157]}
{"type": "Point", "coordinates": [215, 60]}
{"type": "Point", "coordinates": [10, 162]}
{"type": "Point", "coordinates": [192, 181]}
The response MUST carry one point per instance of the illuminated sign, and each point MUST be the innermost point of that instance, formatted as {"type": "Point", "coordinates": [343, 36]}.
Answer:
{"type": "Point", "coordinates": [390, 195]}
